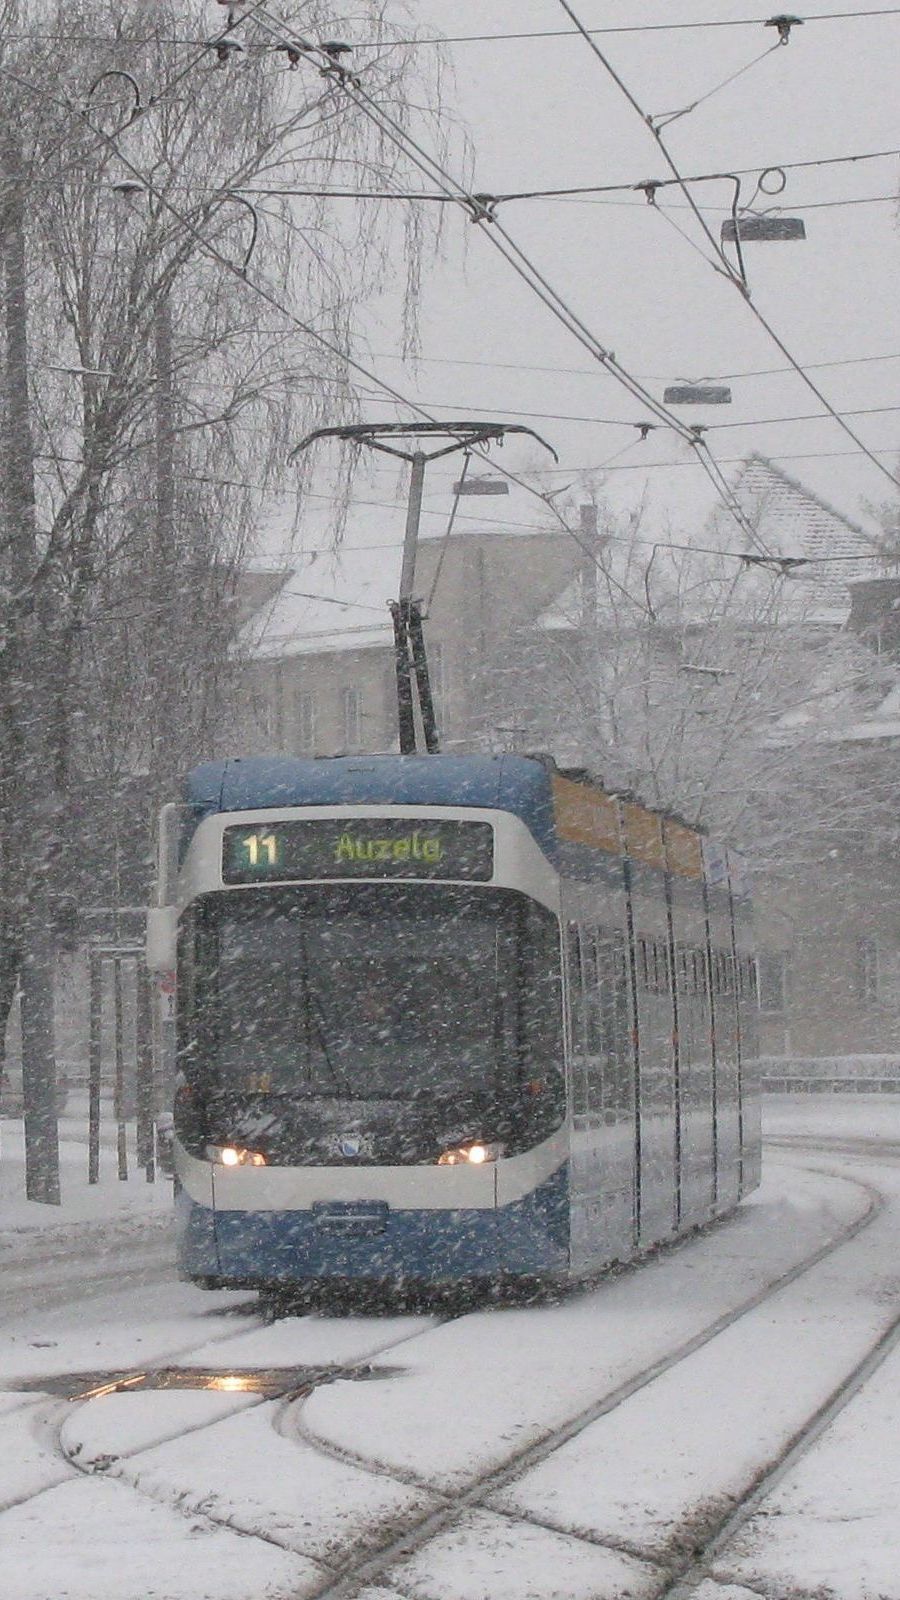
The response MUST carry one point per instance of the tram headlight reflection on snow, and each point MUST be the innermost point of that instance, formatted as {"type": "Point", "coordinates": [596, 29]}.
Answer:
{"type": "Point", "coordinates": [475, 1154]}
{"type": "Point", "coordinates": [235, 1155]}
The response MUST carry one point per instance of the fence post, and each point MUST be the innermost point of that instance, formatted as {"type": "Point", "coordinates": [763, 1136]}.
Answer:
{"type": "Point", "coordinates": [95, 1064]}
{"type": "Point", "coordinates": [119, 1091]}
{"type": "Point", "coordinates": [144, 1067]}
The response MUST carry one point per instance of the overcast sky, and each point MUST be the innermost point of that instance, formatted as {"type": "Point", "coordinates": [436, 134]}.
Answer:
{"type": "Point", "coordinates": [545, 113]}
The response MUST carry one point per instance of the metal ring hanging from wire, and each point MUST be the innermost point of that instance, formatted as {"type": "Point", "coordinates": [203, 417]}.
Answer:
{"type": "Point", "coordinates": [133, 84]}
{"type": "Point", "coordinates": [241, 201]}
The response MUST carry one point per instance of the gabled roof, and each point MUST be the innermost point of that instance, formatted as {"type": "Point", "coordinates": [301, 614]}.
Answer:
{"type": "Point", "coordinates": [790, 521]}
{"type": "Point", "coordinates": [793, 521]}
{"type": "Point", "coordinates": [257, 587]}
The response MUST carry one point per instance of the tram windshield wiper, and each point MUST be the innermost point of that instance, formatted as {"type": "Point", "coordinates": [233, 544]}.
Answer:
{"type": "Point", "coordinates": [314, 1015]}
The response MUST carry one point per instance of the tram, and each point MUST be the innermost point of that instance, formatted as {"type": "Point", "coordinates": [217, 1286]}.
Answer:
{"type": "Point", "coordinates": [446, 1019]}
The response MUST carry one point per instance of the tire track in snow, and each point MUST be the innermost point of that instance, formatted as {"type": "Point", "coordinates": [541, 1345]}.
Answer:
{"type": "Point", "coordinates": [348, 1575]}
{"type": "Point", "coordinates": [196, 1505]}
{"type": "Point", "coordinates": [356, 1574]}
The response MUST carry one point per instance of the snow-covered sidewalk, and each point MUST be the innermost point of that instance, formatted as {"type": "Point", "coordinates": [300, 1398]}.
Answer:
{"type": "Point", "coordinates": [111, 1207]}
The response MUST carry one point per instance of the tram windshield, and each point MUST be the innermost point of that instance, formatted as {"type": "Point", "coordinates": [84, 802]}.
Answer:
{"type": "Point", "coordinates": [375, 994]}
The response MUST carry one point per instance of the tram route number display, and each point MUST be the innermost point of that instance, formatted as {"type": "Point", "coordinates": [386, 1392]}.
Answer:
{"type": "Point", "coordinates": [370, 847]}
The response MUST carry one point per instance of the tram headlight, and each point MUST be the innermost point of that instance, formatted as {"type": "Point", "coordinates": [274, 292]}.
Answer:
{"type": "Point", "coordinates": [235, 1155]}
{"type": "Point", "coordinates": [472, 1155]}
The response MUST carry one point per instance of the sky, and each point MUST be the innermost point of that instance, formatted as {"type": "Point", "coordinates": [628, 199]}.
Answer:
{"type": "Point", "coordinates": [544, 112]}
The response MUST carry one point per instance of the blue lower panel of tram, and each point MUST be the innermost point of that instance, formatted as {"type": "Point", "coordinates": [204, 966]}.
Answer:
{"type": "Point", "coordinates": [368, 1240]}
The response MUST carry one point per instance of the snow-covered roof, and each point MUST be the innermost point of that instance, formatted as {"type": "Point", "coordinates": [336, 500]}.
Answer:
{"type": "Point", "coordinates": [336, 598]}
{"type": "Point", "coordinates": [882, 722]}
{"type": "Point", "coordinates": [792, 521]}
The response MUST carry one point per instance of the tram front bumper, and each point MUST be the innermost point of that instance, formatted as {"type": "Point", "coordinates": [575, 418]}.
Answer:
{"type": "Point", "coordinates": [371, 1240]}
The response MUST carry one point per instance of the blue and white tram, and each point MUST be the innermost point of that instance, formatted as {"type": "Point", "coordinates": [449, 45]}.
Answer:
{"type": "Point", "coordinates": [447, 1018]}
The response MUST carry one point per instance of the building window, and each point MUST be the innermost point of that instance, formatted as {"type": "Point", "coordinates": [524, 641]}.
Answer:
{"type": "Point", "coordinates": [351, 701]}
{"type": "Point", "coordinates": [772, 979]}
{"type": "Point", "coordinates": [305, 722]}
{"type": "Point", "coordinates": [866, 968]}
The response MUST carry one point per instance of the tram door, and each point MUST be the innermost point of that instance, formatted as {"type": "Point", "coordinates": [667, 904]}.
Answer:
{"type": "Point", "coordinates": [748, 1021]}
{"type": "Point", "coordinates": [657, 1087]}
{"type": "Point", "coordinates": [695, 1076]}
{"type": "Point", "coordinates": [602, 1164]}
{"type": "Point", "coordinates": [723, 999]}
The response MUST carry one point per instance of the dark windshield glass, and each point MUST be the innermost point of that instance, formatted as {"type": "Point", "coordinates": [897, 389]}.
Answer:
{"type": "Point", "coordinates": [424, 1000]}
{"type": "Point", "coordinates": [320, 1001]}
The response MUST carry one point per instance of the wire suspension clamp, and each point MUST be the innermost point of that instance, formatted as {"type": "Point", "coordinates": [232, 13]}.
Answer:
{"type": "Point", "coordinates": [784, 24]}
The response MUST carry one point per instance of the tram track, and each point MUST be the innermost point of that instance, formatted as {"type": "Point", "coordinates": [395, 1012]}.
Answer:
{"type": "Point", "coordinates": [716, 1541]}
{"type": "Point", "coordinates": [370, 1560]}
{"type": "Point", "coordinates": [51, 1416]}
{"type": "Point", "coordinates": [348, 1574]}
{"type": "Point", "coordinates": [451, 1508]}
{"type": "Point", "coordinates": [46, 1410]}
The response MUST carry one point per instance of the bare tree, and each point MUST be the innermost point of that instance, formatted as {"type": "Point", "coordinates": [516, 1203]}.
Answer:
{"type": "Point", "coordinates": [170, 325]}
{"type": "Point", "coordinates": [722, 690]}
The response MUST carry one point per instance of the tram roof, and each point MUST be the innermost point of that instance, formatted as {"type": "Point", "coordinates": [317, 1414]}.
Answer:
{"type": "Point", "coordinates": [525, 786]}
{"type": "Point", "coordinates": [518, 784]}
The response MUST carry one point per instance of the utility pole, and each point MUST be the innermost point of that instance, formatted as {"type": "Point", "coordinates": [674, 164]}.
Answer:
{"type": "Point", "coordinates": [166, 651]}
{"type": "Point", "coordinates": [29, 811]}
{"type": "Point", "coordinates": [410, 659]}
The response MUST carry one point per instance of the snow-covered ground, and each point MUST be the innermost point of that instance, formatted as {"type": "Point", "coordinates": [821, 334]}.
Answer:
{"type": "Point", "coordinates": [584, 1448]}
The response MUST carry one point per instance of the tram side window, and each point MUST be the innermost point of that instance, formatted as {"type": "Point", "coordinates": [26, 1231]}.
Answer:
{"type": "Point", "coordinates": [577, 1016]}
{"type": "Point", "coordinates": [617, 1058]}
{"type": "Point", "coordinates": [723, 973]}
{"type": "Point", "coordinates": [596, 1040]}
{"type": "Point", "coordinates": [653, 966]}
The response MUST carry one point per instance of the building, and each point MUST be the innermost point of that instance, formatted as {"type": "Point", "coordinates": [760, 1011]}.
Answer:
{"type": "Point", "coordinates": [326, 690]}
{"type": "Point", "coordinates": [535, 643]}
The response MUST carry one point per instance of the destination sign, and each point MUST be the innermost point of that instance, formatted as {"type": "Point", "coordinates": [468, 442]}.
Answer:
{"type": "Point", "coordinates": [367, 847]}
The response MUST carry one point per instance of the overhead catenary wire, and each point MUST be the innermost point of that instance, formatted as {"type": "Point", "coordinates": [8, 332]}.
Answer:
{"type": "Point", "coordinates": [730, 273]}
{"type": "Point", "coordinates": [414, 41]}
{"type": "Point", "coordinates": [395, 394]}
{"type": "Point", "coordinates": [751, 558]}
{"type": "Point", "coordinates": [572, 472]}
{"type": "Point", "coordinates": [499, 237]}
{"type": "Point", "coordinates": [572, 191]}
{"type": "Point", "coordinates": [625, 422]}
{"type": "Point", "coordinates": [646, 27]}
{"type": "Point", "coordinates": [568, 192]}
{"type": "Point", "coordinates": [331, 600]}
{"type": "Point", "coordinates": [639, 28]}
{"type": "Point", "coordinates": [585, 372]}
{"type": "Point", "coordinates": [212, 251]}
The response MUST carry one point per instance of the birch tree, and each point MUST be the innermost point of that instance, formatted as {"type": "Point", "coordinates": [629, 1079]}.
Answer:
{"type": "Point", "coordinates": [160, 357]}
